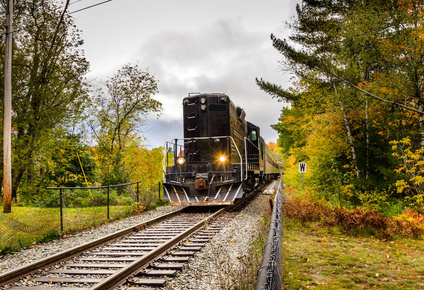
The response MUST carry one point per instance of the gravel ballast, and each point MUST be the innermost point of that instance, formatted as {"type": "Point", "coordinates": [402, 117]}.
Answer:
{"type": "Point", "coordinates": [218, 264]}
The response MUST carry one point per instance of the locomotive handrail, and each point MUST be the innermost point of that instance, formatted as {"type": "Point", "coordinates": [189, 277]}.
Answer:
{"type": "Point", "coordinates": [213, 172]}
{"type": "Point", "coordinates": [165, 155]}
{"type": "Point", "coordinates": [206, 138]}
{"type": "Point", "coordinates": [245, 138]}
{"type": "Point", "coordinates": [245, 151]}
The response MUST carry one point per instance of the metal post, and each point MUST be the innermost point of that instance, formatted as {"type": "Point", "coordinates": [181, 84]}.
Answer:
{"type": "Point", "coordinates": [138, 198]}
{"type": "Point", "coordinates": [61, 211]}
{"type": "Point", "coordinates": [7, 131]}
{"type": "Point", "coordinates": [302, 180]}
{"type": "Point", "coordinates": [108, 202]}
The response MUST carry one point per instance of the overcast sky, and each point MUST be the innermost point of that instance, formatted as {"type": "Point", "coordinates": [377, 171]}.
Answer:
{"type": "Point", "coordinates": [191, 46]}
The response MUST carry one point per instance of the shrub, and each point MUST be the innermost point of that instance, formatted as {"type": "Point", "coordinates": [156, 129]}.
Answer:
{"type": "Point", "coordinates": [125, 200]}
{"type": "Point", "coordinates": [355, 221]}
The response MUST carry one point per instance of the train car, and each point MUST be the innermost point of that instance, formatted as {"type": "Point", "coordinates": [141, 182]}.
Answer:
{"type": "Point", "coordinates": [220, 157]}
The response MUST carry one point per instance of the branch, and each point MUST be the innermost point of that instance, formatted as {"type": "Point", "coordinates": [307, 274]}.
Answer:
{"type": "Point", "coordinates": [374, 96]}
{"type": "Point", "coordinates": [97, 136]}
{"type": "Point", "coordinates": [59, 24]}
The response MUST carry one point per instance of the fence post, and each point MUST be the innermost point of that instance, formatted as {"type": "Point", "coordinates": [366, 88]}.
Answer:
{"type": "Point", "coordinates": [108, 202]}
{"type": "Point", "coordinates": [137, 194]}
{"type": "Point", "coordinates": [61, 211]}
{"type": "Point", "coordinates": [159, 190]}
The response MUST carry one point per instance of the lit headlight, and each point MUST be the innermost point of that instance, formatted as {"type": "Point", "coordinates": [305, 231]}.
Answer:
{"type": "Point", "coordinates": [222, 158]}
{"type": "Point", "coordinates": [203, 100]}
{"type": "Point", "coordinates": [180, 160]}
{"type": "Point", "coordinates": [203, 107]}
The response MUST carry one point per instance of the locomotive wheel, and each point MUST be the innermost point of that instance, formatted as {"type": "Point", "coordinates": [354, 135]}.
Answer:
{"type": "Point", "coordinates": [250, 183]}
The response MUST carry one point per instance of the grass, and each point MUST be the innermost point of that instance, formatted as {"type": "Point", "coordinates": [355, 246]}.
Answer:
{"type": "Point", "coordinates": [25, 226]}
{"type": "Point", "coordinates": [316, 257]}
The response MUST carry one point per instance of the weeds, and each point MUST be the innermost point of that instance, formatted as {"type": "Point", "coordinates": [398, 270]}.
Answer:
{"type": "Point", "coordinates": [50, 235]}
{"type": "Point", "coordinates": [355, 222]}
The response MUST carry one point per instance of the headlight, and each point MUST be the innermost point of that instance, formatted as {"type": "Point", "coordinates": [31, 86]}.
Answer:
{"type": "Point", "coordinates": [180, 160]}
{"type": "Point", "coordinates": [203, 107]}
{"type": "Point", "coordinates": [203, 100]}
{"type": "Point", "coordinates": [222, 158]}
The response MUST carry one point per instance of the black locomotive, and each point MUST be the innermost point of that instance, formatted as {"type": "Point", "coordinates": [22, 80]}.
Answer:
{"type": "Point", "coordinates": [221, 155]}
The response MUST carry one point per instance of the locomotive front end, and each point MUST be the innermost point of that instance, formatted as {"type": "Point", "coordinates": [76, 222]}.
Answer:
{"type": "Point", "coordinates": [205, 167]}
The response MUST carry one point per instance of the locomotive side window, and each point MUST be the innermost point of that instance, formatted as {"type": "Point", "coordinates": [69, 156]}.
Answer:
{"type": "Point", "coordinates": [253, 136]}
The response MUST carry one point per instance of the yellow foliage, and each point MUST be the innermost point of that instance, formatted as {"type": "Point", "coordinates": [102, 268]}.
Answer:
{"type": "Point", "coordinates": [411, 163]}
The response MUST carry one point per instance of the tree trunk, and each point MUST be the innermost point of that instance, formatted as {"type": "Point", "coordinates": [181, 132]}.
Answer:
{"type": "Point", "coordinates": [349, 134]}
{"type": "Point", "coordinates": [420, 120]}
{"type": "Point", "coordinates": [17, 180]}
{"type": "Point", "coordinates": [367, 136]}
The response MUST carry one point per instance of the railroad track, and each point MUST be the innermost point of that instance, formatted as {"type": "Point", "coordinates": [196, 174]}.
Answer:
{"type": "Point", "coordinates": [139, 256]}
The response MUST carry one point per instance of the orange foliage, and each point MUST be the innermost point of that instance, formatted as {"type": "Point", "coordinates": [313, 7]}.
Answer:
{"type": "Point", "coordinates": [272, 145]}
{"type": "Point", "coordinates": [352, 221]}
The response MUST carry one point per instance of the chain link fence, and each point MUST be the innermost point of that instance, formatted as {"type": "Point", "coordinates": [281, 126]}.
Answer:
{"type": "Point", "coordinates": [70, 209]}
{"type": "Point", "coordinates": [269, 274]}
{"type": "Point", "coordinates": [27, 225]}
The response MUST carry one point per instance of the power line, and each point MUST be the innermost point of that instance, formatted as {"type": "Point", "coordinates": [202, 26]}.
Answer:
{"type": "Point", "coordinates": [88, 7]}
{"type": "Point", "coordinates": [75, 2]}
{"type": "Point", "coordinates": [69, 13]}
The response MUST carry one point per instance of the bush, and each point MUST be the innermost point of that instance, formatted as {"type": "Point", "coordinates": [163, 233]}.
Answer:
{"type": "Point", "coordinates": [125, 200]}
{"type": "Point", "coordinates": [354, 221]}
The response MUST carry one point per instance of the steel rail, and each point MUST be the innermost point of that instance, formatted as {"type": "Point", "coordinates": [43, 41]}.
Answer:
{"type": "Point", "coordinates": [16, 274]}
{"type": "Point", "coordinates": [120, 277]}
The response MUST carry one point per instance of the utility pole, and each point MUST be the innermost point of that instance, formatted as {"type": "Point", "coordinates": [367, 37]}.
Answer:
{"type": "Point", "coordinates": [7, 144]}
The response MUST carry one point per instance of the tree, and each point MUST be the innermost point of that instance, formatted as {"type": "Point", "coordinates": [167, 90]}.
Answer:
{"type": "Point", "coordinates": [118, 114]}
{"type": "Point", "coordinates": [358, 64]}
{"type": "Point", "coordinates": [144, 165]}
{"type": "Point", "coordinates": [71, 162]}
{"type": "Point", "coordinates": [48, 83]}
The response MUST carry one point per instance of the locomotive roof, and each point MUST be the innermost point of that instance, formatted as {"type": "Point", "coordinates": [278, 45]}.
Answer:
{"type": "Point", "coordinates": [193, 95]}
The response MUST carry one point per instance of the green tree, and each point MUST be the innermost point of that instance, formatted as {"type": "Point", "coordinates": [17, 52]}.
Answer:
{"type": "Point", "coordinates": [71, 162]}
{"type": "Point", "coordinates": [48, 81]}
{"type": "Point", "coordinates": [118, 114]}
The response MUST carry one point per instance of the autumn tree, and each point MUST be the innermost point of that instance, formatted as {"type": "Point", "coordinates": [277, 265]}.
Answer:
{"type": "Point", "coordinates": [144, 165]}
{"type": "Point", "coordinates": [359, 65]}
{"type": "Point", "coordinates": [48, 82]}
{"type": "Point", "coordinates": [118, 115]}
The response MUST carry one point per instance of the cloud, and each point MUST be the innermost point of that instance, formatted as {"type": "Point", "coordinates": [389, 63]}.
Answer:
{"type": "Point", "coordinates": [224, 57]}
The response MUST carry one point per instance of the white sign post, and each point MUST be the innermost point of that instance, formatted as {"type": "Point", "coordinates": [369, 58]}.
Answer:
{"type": "Point", "coordinates": [302, 169]}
